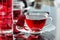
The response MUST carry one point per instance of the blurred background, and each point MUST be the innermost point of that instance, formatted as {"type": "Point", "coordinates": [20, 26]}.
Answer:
{"type": "Point", "coordinates": [20, 8]}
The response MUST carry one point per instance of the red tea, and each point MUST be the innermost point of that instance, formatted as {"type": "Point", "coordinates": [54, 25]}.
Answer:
{"type": "Point", "coordinates": [35, 25]}
{"type": "Point", "coordinates": [21, 21]}
{"type": "Point", "coordinates": [16, 14]}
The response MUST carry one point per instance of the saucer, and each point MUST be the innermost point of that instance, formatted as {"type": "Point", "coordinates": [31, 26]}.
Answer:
{"type": "Point", "coordinates": [45, 29]}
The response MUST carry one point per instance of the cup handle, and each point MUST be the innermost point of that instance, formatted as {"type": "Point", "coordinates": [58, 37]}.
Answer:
{"type": "Point", "coordinates": [48, 22]}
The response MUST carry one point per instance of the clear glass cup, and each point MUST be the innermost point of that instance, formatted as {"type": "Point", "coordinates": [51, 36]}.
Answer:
{"type": "Point", "coordinates": [37, 20]}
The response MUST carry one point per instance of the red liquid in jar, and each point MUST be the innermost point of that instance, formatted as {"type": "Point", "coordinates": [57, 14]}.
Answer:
{"type": "Point", "coordinates": [16, 14]}
{"type": "Point", "coordinates": [35, 25]}
{"type": "Point", "coordinates": [21, 21]}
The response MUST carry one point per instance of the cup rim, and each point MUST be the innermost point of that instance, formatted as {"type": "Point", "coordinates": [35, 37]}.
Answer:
{"type": "Point", "coordinates": [37, 17]}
